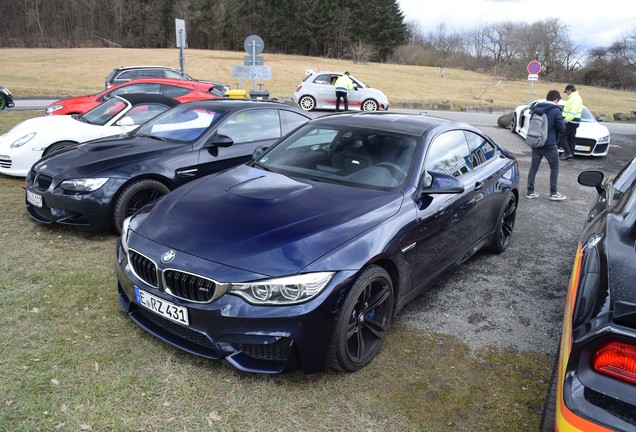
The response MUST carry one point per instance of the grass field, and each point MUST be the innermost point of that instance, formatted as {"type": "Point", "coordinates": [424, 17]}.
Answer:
{"type": "Point", "coordinates": [72, 72]}
{"type": "Point", "coordinates": [71, 361]}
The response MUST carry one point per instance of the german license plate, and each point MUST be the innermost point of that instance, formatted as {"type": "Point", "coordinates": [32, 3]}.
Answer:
{"type": "Point", "coordinates": [582, 148]}
{"type": "Point", "coordinates": [166, 309]}
{"type": "Point", "coordinates": [34, 199]}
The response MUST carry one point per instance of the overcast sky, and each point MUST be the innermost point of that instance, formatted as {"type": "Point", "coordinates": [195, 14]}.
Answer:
{"type": "Point", "coordinates": [590, 23]}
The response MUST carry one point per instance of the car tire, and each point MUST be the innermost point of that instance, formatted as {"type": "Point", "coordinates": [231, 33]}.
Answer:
{"type": "Point", "coordinates": [513, 123]}
{"type": "Point", "coordinates": [363, 320]}
{"type": "Point", "coordinates": [135, 196]}
{"type": "Point", "coordinates": [370, 105]}
{"type": "Point", "coordinates": [57, 147]}
{"type": "Point", "coordinates": [3, 102]}
{"type": "Point", "coordinates": [549, 406]}
{"type": "Point", "coordinates": [307, 103]}
{"type": "Point", "coordinates": [505, 225]}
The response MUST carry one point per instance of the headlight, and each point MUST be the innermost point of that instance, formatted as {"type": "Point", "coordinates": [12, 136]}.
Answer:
{"type": "Point", "coordinates": [83, 184]}
{"type": "Point", "coordinates": [283, 291]}
{"type": "Point", "coordinates": [23, 140]}
{"type": "Point", "coordinates": [604, 140]}
{"type": "Point", "coordinates": [53, 108]}
{"type": "Point", "coordinates": [124, 234]}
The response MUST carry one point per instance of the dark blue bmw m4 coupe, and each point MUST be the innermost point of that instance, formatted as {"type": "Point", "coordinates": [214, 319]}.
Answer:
{"type": "Point", "coordinates": [301, 257]}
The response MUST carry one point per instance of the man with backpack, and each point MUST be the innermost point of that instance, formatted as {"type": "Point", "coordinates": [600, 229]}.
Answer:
{"type": "Point", "coordinates": [536, 131]}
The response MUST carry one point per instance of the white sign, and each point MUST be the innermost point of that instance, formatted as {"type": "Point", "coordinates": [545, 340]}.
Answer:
{"type": "Point", "coordinates": [533, 77]}
{"type": "Point", "coordinates": [179, 25]}
{"type": "Point", "coordinates": [252, 72]}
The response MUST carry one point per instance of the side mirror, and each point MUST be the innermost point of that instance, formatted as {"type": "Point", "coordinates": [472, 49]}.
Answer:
{"type": "Point", "coordinates": [258, 152]}
{"type": "Point", "coordinates": [126, 121]}
{"type": "Point", "coordinates": [593, 179]}
{"type": "Point", "coordinates": [219, 141]}
{"type": "Point", "coordinates": [442, 184]}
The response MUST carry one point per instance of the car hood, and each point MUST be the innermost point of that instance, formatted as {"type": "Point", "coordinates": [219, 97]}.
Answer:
{"type": "Point", "coordinates": [49, 127]}
{"type": "Point", "coordinates": [101, 157]}
{"type": "Point", "coordinates": [264, 222]}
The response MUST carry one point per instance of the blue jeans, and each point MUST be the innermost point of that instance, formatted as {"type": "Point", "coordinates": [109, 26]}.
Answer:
{"type": "Point", "coordinates": [551, 154]}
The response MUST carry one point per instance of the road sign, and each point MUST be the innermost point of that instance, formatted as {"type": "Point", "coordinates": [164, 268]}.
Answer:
{"type": "Point", "coordinates": [252, 72]}
{"type": "Point", "coordinates": [253, 60]}
{"type": "Point", "coordinates": [534, 67]}
{"type": "Point", "coordinates": [253, 45]}
{"type": "Point", "coordinates": [180, 28]}
{"type": "Point", "coordinates": [533, 77]}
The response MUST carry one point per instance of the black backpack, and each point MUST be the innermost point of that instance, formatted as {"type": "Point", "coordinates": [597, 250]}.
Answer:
{"type": "Point", "coordinates": [537, 130]}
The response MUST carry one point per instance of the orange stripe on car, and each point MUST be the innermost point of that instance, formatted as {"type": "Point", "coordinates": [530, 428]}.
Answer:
{"type": "Point", "coordinates": [566, 420]}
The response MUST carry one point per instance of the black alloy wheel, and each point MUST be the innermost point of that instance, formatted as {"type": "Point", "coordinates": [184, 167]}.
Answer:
{"type": "Point", "coordinates": [135, 196]}
{"type": "Point", "coordinates": [3, 102]}
{"type": "Point", "coordinates": [505, 225]}
{"type": "Point", "coordinates": [363, 320]}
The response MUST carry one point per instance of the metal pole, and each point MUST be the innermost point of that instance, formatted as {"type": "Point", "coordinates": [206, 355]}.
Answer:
{"type": "Point", "coordinates": [181, 54]}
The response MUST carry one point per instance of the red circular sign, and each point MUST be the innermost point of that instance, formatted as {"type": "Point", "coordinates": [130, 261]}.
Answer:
{"type": "Point", "coordinates": [534, 67]}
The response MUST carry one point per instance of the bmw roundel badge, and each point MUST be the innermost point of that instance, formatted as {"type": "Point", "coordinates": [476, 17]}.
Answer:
{"type": "Point", "coordinates": [168, 256]}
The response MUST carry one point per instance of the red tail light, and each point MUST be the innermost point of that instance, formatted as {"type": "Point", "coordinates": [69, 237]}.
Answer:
{"type": "Point", "coordinates": [298, 88]}
{"type": "Point", "coordinates": [617, 360]}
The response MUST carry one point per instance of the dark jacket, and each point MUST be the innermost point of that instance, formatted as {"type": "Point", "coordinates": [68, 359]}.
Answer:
{"type": "Point", "coordinates": [555, 121]}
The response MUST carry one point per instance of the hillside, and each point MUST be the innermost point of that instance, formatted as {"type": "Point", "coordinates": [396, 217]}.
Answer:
{"type": "Point", "coordinates": [70, 72]}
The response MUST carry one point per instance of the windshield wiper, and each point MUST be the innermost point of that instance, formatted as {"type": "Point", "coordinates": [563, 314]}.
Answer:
{"type": "Point", "coordinates": [151, 137]}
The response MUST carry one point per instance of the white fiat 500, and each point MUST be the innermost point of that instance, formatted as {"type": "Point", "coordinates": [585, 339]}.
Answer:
{"type": "Point", "coordinates": [317, 91]}
{"type": "Point", "coordinates": [31, 139]}
{"type": "Point", "coordinates": [592, 138]}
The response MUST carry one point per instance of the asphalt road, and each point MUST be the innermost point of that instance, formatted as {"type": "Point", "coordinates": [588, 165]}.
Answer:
{"type": "Point", "coordinates": [515, 300]}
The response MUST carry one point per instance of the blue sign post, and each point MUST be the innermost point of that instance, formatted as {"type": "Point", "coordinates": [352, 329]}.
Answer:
{"type": "Point", "coordinates": [534, 67]}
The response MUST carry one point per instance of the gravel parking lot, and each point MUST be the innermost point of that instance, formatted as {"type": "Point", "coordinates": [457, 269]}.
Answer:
{"type": "Point", "coordinates": [515, 300]}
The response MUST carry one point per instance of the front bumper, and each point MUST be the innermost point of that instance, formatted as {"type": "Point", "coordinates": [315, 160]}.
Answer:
{"type": "Point", "coordinates": [590, 147]}
{"type": "Point", "coordinates": [91, 211]}
{"type": "Point", "coordinates": [261, 339]}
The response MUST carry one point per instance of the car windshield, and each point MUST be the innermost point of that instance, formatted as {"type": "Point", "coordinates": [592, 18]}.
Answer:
{"type": "Point", "coordinates": [343, 155]}
{"type": "Point", "coordinates": [103, 113]}
{"type": "Point", "coordinates": [183, 123]}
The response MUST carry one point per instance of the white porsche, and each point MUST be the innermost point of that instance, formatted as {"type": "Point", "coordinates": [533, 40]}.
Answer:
{"type": "Point", "coordinates": [31, 139]}
{"type": "Point", "coordinates": [592, 138]}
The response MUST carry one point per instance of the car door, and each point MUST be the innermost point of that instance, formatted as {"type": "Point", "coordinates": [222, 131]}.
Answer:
{"type": "Point", "coordinates": [448, 225]}
{"type": "Point", "coordinates": [248, 130]}
{"type": "Point", "coordinates": [324, 90]}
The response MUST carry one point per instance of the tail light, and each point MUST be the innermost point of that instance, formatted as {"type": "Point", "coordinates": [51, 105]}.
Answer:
{"type": "Point", "coordinates": [617, 360]}
{"type": "Point", "coordinates": [298, 88]}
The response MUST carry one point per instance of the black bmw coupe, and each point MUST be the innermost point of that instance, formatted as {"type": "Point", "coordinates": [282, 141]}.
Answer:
{"type": "Point", "coordinates": [96, 185]}
{"type": "Point", "coordinates": [301, 257]}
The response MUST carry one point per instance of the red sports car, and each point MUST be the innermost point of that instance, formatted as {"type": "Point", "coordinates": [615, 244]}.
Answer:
{"type": "Point", "coordinates": [183, 91]}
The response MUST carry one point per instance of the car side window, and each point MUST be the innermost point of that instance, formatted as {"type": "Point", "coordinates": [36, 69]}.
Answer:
{"type": "Point", "coordinates": [252, 125]}
{"type": "Point", "coordinates": [481, 150]}
{"type": "Point", "coordinates": [323, 79]}
{"type": "Point", "coordinates": [172, 74]}
{"type": "Point", "coordinates": [174, 91]}
{"type": "Point", "coordinates": [291, 120]}
{"type": "Point", "coordinates": [142, 113]}
{"type": "Point", "coordinates": [448, 153]}
{"type": "Point", "coordinates": [137, 88]}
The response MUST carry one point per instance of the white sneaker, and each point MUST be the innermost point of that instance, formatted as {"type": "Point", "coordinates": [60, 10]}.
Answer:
{"type": "Point", "coordinates": [532, 195]}
{"type": "Point", "coordinates": [557, 197]}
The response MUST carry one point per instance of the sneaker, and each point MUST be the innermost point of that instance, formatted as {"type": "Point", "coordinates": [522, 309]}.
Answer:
{"type": "Point", "coordinates": [557, 197]}
{"type": "Point", "coordinates": [532, 195]}
{"type": "Point", "coordinates": [564, 156]}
